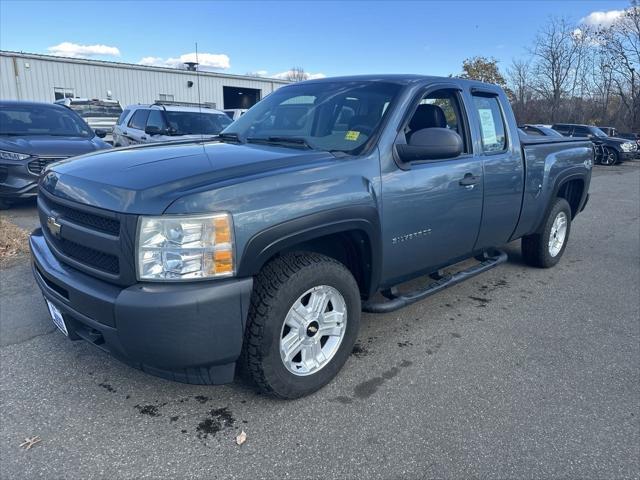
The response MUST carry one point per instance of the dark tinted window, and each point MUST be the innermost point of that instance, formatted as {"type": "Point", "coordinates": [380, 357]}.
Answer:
{"type": "Point", "coordinates": [492, 129]}
{"type": "Point", "coordinates": [563, 129]}
{"type": "Point", "coordinates": [156, 120]}
{"type": "Point", "coordinates": [139, 119]}
{"type": "Point", "coordinates": [123, 116]}
{"type": "Point", "coordinates": [581, 132]}
{"type": "Point", "coordinates": [195, 123]}
{"type": "Point", "coordinates": [17, 120]}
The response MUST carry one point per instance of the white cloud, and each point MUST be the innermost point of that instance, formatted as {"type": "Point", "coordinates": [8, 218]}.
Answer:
{"type": "Point", "coordinates": [285, 75]}
{"type": "Point", "coordinates": [68, 49]}
{"type": "Point", "coordinates": [602, 19]}
{"type": "Point", "coordinates": [206, 60]}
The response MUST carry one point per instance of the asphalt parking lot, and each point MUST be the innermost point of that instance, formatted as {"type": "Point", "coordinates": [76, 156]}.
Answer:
{"type": "Point", "coordinates": [518, 373]}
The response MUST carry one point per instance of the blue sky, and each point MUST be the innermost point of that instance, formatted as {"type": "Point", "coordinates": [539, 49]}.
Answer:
{"type": "Point", "coordinates": [329, 38]}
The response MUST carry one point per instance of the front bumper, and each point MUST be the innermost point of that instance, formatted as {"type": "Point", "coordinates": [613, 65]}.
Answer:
{"type": "Point", "coordinates": [189, 333]}
{"type": "Point", "coordinates": [16, 181]}
{"type": "Point", "coordinates": [625, 156]}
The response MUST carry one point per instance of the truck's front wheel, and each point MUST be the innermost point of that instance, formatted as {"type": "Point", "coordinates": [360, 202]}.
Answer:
{"type": "Point", "coordinates": [302, 325]}
{"type": "Point", "coordinates": [545, 249]}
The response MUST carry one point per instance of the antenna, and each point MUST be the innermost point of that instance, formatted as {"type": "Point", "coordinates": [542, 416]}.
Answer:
{"type": "Point", "coordinates": [199, 101]}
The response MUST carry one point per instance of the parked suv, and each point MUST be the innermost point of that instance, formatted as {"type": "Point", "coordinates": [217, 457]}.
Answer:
{"type": "Point", "coordinates": [101, 115]}
{"type": "Point", "coordinates": [262, 246]}
{"type": "Point", "coordinates": [33, 135]}
{"type": "Point", "coordinates": [161, 122]}
{"type": "Point", "coordinates": [609, 150]}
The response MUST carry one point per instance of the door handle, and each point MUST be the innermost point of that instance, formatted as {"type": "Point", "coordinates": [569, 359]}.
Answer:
{"type": "Point", "coordinates": [143, 138]}
{"type": "Point", "coordinates": [469, 180]}
{"type": "Point", "coordinates": [124, 132]}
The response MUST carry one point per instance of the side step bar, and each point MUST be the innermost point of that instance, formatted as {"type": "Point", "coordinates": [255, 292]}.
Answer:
{"type": "Point", "coordinates": [395, 302]}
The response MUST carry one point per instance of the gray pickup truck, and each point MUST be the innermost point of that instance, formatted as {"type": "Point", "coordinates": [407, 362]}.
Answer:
{"type": "Point", "coordinates": [260, 249]}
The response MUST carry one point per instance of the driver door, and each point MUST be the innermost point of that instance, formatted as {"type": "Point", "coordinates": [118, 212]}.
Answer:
{"type": "Point", "coordinates": [432, 210]}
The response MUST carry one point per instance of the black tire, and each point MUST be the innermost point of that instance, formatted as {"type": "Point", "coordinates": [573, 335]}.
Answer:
{"type": "Point", "coordinates": [277, 287]}
{"type": "Point", "coordinates": [610, 157]}
{"type": "Point", "coordinates": [535, 247]}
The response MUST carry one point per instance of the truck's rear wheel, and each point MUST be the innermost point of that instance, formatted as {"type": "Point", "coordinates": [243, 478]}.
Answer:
{"type": "Point", "coordinates": [303, 323]}
{"type": "Point", "coordinates": [545, 249]}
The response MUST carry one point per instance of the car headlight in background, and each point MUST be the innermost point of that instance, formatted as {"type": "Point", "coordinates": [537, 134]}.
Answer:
{"type": "Point", "coordinates": [629, 147]}
{"type": "Point", "coordinates": [185, 247]}
{"type": "Point", "coordinates": [5, 155]}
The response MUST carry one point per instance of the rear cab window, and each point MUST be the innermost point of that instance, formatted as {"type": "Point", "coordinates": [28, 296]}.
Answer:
{"type": "Point", "coordinates": [491, 122]}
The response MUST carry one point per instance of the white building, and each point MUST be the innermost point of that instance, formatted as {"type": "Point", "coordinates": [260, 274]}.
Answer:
{"type": "Point", "coordinates": [44, 78]}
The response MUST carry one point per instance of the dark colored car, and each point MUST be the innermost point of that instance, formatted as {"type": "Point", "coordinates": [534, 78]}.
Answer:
{"type": "Point", "coordinates": [609, 150]}
{"type": "Point", "coordinates": [261, 248]}
{"type": "Point", "coordinates": [540, 131]}
{"type": "Point", "coordinates": [32, 135]}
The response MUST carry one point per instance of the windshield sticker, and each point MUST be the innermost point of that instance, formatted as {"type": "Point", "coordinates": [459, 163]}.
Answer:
{"type": "Point", "coordinates": [487, 125]}
{"type": "Point", "coordinates": [352, 135]}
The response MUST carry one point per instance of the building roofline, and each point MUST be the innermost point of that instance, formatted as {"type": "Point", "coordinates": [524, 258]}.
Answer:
{"type": "Point", "coordinates": [134, 66]}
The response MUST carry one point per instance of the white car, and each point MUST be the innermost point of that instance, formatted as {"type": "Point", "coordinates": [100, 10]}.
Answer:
{"type": "Point", "coordinates": [163, 122]}
{"type": "Point", "coordinates": [99, 114]}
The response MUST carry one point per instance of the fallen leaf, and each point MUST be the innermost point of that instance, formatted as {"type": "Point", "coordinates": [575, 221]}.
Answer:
{"type": "Point", "coordinates": [240, 439]}
{"type": "Point", "coordinates": [30, 442]}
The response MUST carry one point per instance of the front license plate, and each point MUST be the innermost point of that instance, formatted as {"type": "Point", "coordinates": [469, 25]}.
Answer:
{"type": "Point", "coordinates": [56, 316]}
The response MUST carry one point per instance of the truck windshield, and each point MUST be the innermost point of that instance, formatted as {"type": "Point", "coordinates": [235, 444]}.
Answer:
{"type": "Point", "coordinates": [333, 116]}
{"type": "Point", "coordinates": [195, 123]}
{"type": "Point", "coordinates": [96, 109]}
{"type": "Point", "coordinates": [24, 120]}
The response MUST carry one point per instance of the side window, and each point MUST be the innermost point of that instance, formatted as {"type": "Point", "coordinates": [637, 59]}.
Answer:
{"type": "Point", "coordinates": [581, 132]}
{"type": "Point", "coordinates": [139, 119]}
{"type": "Point", "coordinates": [439, 109]}
{"type": "Point", "coordinates": [492, 129]}
{"type": "Point", "coordinates": [156, 119]}
{"type": "Point", "coordinates": [123, 116]}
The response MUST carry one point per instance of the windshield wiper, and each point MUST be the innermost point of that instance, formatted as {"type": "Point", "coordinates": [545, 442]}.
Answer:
{"type": "Point", "coordinates": [292, 141]}
{"type": "Point", "coordinates": [234, 137]}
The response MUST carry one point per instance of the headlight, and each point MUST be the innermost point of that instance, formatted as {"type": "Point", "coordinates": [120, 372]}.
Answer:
{"type": "Point", "coordinates": [629, 147]}
{"type": "Point", "coordinates": [4, 155]}
{"type": "Point", "coordinates": [185, 247]}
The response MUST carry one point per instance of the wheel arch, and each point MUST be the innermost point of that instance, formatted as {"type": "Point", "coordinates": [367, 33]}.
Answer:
{"type": "Point", "coordinates": [350, 235]}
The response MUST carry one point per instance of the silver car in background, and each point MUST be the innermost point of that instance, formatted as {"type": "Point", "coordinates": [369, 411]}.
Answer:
{"type": "Point", "coordinates": [162, 122]}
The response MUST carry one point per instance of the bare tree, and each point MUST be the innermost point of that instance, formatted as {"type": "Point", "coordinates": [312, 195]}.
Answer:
{"type": "Point", "coordinates": [518, 74]}
{"type": "Point", "coordinates": [620, 43]}
{"type": "Point", "coordinates": [555, 55]}
{"type": "Point", "coordinates": [297, 74]}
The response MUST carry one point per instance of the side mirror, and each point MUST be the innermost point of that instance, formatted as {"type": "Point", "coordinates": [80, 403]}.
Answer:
{"type": "Point", "coordinates": [153, 130]}
{"type": "Point", "coordinates": [101, 132]}
{"type": "Point", "coordinates": [431, 144]}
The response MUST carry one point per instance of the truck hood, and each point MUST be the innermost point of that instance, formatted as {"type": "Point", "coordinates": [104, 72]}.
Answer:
{"type": "Point", "coordinates": [147, 179]}
{"type": "Point", "coordinates": [51, 146]}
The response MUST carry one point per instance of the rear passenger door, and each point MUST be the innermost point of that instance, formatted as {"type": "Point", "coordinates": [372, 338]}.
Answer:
{"type": "Point", "coordinates": [134, 133]}
{"type": "Point", "coordinates": [498, 149]}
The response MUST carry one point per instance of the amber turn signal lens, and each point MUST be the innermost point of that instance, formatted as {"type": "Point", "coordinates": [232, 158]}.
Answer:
{"type": "Point", "coordinates": [223, 261]}
{"type": "Point", "coordinates": [223, 229]}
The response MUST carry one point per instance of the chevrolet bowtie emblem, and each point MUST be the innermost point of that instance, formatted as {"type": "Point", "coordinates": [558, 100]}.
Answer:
{"type": "Point", "coordinates": [53, 226]}
{"type": "Point", "coordinates": [313, 329]}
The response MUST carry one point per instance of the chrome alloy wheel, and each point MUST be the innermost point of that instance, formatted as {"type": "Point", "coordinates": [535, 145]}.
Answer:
{"type": "Point", "coordinates": [313, 330]}
{"type": "Point", "coordinates": [558, 234]}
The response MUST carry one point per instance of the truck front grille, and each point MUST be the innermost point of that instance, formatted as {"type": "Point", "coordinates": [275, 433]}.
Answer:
{"type": "Point", "coordinates": [97, 222]}
{"type": "Point", "coordinates": [89, 256]}
{"type": "Point", "coordinates": [98, 242]}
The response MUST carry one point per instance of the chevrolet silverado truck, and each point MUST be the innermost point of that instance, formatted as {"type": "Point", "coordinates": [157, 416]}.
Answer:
{"type": "Point", "coordinates": [258, 250]}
